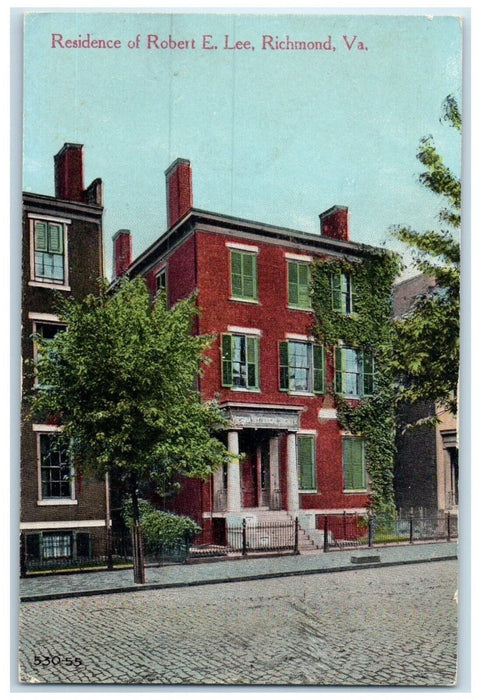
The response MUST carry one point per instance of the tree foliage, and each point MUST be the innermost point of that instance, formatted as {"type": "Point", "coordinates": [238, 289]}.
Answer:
{"type": "Point", "coordinates": [121, 382]}
{"type": "Point", "coordinates": [426, 352]}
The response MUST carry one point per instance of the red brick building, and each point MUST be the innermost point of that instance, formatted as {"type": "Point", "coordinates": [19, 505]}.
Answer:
{"type": "Point", "coordinates": [266, 369]}
{"type": "Point", "coordinates": [63, 514]}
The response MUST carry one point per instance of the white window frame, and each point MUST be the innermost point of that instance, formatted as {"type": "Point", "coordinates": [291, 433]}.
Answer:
{"type": "Point", "coordinates": [40, 430]}
{"type": "Point", "coordinates": [306, 262]}
{"type": "Point", "coordinates": [43, 319]}
{"type": "Point", "coordinates": [49, 284]}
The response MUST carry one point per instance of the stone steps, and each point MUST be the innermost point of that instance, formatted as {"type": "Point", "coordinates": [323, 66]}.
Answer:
{"type": "Point", "coordinates": [264, 517]}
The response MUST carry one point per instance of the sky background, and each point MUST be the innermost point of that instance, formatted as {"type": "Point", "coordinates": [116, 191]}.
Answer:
{"type": "Point", "coordinates": [272, 136]}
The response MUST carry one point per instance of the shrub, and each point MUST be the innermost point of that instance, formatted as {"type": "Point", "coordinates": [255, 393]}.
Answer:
{"type": "Point", "coordinates": [161, 527]}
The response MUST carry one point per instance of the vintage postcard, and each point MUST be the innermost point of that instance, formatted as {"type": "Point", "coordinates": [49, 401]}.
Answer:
{"type": "Point", "coordinates": [240, 349]}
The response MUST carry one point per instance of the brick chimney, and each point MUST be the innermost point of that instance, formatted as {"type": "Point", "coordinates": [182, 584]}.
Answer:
{"type": "Point", "coordinates": [122, 241]}
{"type": "Point", "coordinates": [69, 177]}
{"type": "Point", "coordinates": [178, 177]}
{"type": "Point", "coordinates": [335, 223]}
{"type": "Point", "coordinates": [69, 173]}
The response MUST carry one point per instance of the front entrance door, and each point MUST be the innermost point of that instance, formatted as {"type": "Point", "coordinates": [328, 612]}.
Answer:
{"type": "Point", "coordinates": [264, 480]}
{"type": "Point", "coordinates": [250, 481]}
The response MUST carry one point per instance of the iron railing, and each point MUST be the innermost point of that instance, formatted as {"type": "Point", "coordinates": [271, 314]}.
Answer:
{"type": "Point", "coordinates": [109, 551]}
{"type": "Point", "coordinates": [106, 550]}
{"type": "Point", "coordinates": [352, 530]}
{"type": "Point", "coordinates": [263, 537]}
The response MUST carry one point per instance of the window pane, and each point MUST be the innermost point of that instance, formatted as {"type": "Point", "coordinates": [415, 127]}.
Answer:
{"type": "Point", "coordinates": [56, 479]}
{"type": "Point", "coordinates": [57, 545]}
{"type": "Point", "coordinates": [299, 366]}
{"type": "Point", "coordinates": [239, 367]}
{"type": "Point", "coordinates": [350, 371]}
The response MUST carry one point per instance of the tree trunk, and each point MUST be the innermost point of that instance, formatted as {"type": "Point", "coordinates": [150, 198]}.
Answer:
{"type": "Point", "coordinates": [137, 549]}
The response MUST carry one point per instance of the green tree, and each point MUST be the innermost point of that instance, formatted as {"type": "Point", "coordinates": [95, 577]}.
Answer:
{"type": "Point", "coordinates": [121, 380]}
{"type": "Point", "coordinates": [426, 350]}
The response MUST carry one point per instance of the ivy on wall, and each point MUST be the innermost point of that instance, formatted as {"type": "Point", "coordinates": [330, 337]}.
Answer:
{"type": "Point", "coordinates": [368, 326]}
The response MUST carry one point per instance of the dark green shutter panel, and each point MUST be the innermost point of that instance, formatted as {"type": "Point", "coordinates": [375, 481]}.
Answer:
{"type": "Point", "coordinates": [284, 366]}
{"type": "Point", "coordinates": [368, 377]}
{"type": "Point", "coordinates": [41, 242]}
{"type": "Point", "coordinates": [306, 462]}
{"type": "Point", "coordinates": [83, 540]}
{"type": "Point", "coordinates": [252, 362]}
{"type": "Point", "coordinates": [319, 369]}
{"type": "Point", "coordinates": [353, 294]}
{"type": "Point", "coordinates": [353, 459]}
{"type": "Point", "coordinates": [293, 284]}
{"type": "Point", "coordinates": [236, 273]}
{"type": "Point", "coordinates": [357, 455]}
{"type": "Point", "coordinates": [32, 546]}
{"type": "Point", "coordinates": [339, 387]}
{"type": "Point", "coordinates": [226, 360]}
{"type": "Point", "coordinates": [55, 239]}
{"type": "Point", "coordinates": [304, 286]}
{"type": "Point", "coordinates": [249, 276]}
{"type": "Point", "coordinates": [336, 292]}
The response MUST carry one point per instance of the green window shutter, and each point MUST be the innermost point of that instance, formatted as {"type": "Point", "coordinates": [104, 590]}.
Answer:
{"type": "Point", "coordinates": [319, 369]}
{"type": "Point", "coordinates": [55, 239]}
{"type": "Point", "coordinates": [368, 373]}
{"type": "Point", "coordinates": [226, 360]}
{"type": "Point", "coordinates": [307, 472]}
{"type": "Point", "coordinates": [252, 362]}
{"type": "Point", "coordinates": [284, 366]}
{"type": "Point", "coordinates": [249, 276]}
{"type": "Point", "coordinates": [304, 272]}
{"type": "Point", "coordinates": [293, 284]}
{"type": "Point", "coordinates": [243, 275]}
{"type": "Point", "coordinates": [336, 292]}
{"type": "Point", "coordinates": [236, 273]}
{"type": "Point", "coordinates": [353, 294]}
{"type": "Point", "coordinates": [339, 369]}
{"type": "Point", "coordinates": [41, 239]}
{"type": "Point", "coordinates": [353, 462]}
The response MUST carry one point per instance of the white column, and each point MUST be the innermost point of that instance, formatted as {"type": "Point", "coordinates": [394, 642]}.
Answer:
{"type": "Point", "coordinates": [292, 481]}
{"type": "Point", "coordinates": [274, 482]}
{"type": "Point", "coordinates": [233, 474]}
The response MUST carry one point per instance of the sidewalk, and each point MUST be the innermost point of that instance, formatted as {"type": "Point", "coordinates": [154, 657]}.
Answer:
{"type": "Point", "coordinates": [178, 575]}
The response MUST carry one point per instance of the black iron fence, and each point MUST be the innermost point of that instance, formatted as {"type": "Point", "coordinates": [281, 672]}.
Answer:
{"type": "Point", "coordinates": [107, 550]}
{"type": "Point", "coordinates": [67, 552]}
{"type": "Point", "coordinates": [352, 530]}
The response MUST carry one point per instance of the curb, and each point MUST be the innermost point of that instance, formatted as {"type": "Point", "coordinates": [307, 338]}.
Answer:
{"type": "Point", "coordinates": [234, 579]}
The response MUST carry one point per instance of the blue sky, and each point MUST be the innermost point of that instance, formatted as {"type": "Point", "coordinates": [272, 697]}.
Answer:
{"type": "Point", "coordinates": [273, 136]}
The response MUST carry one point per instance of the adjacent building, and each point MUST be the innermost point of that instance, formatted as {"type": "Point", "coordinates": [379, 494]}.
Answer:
{"type": "Point", "coordinates": [62, 513]}
{"type": "Point", "coordinates": [266, 370]}
{"type": "Point", "coordinates": [426, 464]}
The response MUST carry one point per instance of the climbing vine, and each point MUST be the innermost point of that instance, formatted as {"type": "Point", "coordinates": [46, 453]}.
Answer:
{"type": "Point", "coordinates": [367, 326]}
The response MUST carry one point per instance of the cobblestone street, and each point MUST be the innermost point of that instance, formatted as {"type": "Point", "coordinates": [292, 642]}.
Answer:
{"type": "Point", "coordinates": [380, 626]}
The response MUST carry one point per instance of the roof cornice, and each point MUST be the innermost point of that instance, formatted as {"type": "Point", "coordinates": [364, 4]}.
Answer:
{"type": "Point", "coordinates": [199, 219]}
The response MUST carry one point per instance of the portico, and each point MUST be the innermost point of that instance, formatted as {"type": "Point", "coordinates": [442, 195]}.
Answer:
{"type": "Point", "coordinates": [261, 468]}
